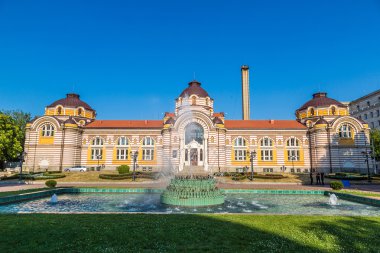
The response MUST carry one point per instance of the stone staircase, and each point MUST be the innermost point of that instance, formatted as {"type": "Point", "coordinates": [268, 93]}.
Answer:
{"type": "Point", "coordinates": [193, 170]}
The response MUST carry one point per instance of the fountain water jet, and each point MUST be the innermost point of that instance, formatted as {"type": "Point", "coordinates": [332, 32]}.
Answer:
{"type": "Point", "coordinates": [333, 200]}
{"type": "Point", "coordinates": [54, 199]}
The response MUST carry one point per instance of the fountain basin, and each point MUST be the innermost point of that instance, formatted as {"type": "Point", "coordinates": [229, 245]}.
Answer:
{"type": "Point", "coordinates": [192, 192]}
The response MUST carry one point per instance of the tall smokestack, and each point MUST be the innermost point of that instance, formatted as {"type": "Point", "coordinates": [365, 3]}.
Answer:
{"type": "Point", "coordinates": [245, 91]}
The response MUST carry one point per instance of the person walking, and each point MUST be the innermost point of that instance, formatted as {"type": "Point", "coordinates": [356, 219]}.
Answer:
{"type": "Point", "coordinates": [311, 177]}
{"type": "Point", "coordinates": [323, 178]}
{"type": "Point", "coordinates": [318, 178]}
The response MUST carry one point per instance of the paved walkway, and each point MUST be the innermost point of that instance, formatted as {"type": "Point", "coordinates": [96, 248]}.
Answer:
{"type": "Point", "coordinates": [14, 185]}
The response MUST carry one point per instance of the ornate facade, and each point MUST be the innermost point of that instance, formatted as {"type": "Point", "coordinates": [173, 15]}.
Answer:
{"type": "Point", "coordinates": [323, 138]}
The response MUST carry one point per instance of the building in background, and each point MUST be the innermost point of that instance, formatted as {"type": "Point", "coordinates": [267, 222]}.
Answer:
{"type": "Point", "coordinates": [323, 137]}
{"type": "Point", "coordinates": [367, 108]}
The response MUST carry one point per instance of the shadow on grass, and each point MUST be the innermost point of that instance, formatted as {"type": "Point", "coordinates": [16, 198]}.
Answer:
{"type": "Point", "coordinates": [180, 233]}
{"type": "Point", "coordinates": [351, 234]}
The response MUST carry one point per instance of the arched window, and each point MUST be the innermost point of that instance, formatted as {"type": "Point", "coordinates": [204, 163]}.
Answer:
{"type": "Point", "coordinates": [97, 141]}
{"type": "Point", "coordinates": [266, 149]}
{"type": "Point", "coordinates": [240, 149]}
{"type": "Point", "coordinates": [312, 112]}
{"type": "Point", "coordinates": [47, 130]}
{"type": "Point", "coordinates": [266, 142]}
{"type": "Point", "coordinates": [122, 148]}
{"type": "Point", "coordinates": [148, 149]}
{"type": "Point", "coordinates": [122, 141]}
{"type": "Point", "coordinates": [193, 101]}
{"type": "Point", "coordinates": [80, 111]}
{"type": "Point", "coordinates": [293, 149]}
{"type": "Point", "coordinates": [292, 142]}
{"type": "Point", "coordinates": [239, 142]}
{"type": "Point", "coordinates": [345, 131]}
{"type": "Point", "coordinates": [59, 110]}
{"type": "Point", "coordinates": [97, 148]}
{"type": "Point", "coordinates": [333, 110]}
{"type": "Point", "coordinates": [194, 131]}
{"type": "Point", "coordinates": [207, 101]}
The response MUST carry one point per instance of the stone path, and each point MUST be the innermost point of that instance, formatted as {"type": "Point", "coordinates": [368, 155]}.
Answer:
{"type": "Point", "coordinates": [13, 185]}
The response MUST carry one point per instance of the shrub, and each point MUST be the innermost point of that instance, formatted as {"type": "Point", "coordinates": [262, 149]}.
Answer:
{"type": "Point", "coordinates": [123, 169]}
{"type": "Point", "coordinates": [51, 183]}
{"type": "Point", "coordinates": [239, 177]}
{"type": "Point", "coordinates": [336, 185]}
{"type": "Point", "coordinates": [115, 176]}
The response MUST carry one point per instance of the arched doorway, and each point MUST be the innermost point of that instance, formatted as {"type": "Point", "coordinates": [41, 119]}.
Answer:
{"type": "Point", "coordinates": [194, 142]}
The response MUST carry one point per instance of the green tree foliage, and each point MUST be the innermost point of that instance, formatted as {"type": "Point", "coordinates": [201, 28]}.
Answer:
{"type": "Point", "coordinates": [21, 119]}
{"type": "Point", "coordinates": [375, 140]}
{"type": "Point", "coordinates": [11, 138]}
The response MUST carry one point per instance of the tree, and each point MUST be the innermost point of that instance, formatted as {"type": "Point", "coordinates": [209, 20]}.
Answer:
{"type": "Point", "coordinates": [11, 137]}
{"type": "Point", "coordinates": [375, 139]}
{"type": "Point", "coordinates": [21, 119]}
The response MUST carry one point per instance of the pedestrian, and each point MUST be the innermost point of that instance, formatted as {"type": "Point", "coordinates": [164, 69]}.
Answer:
{"type": "Point", "coordinates": [318, 178]}
{"type": "Point", "coordinates": [323, 178]}
{"type": "Point", "coordinates": [311, 177]}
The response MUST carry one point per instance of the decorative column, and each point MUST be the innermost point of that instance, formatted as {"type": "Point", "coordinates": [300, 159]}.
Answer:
{"type": "Point", "coordinates": [205, 154]}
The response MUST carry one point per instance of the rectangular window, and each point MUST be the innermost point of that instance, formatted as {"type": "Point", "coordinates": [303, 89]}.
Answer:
{"type": "Point", "coordinates": [148, 154]}
{"type": "Point", "coordinates": [371, 113]}
{"type": "Point", "coordinates": [378, 113]}
{"type": "Point", "coordinates": [267, 155]}
{"type": "Point", "coordinates": [96, 154]}
{"type": "Point", "coordinates": [122, 154]}
{"type": "Point", "coordinates": [240, 155]}
{"type": "Point", "coordinates": [268, 170]}
{"type": "Point", "coordinates": [293, 155]}
{"type": "Point", "coordinates": [365, 116]}
{"type": "Point", "coordinates": [298, 170]}
{"type": "Point", "coordinates": [372, 124]}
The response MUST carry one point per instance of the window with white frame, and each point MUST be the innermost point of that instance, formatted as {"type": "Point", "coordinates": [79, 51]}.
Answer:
{"type": "Point", "coordinates": [122, 148]}
{"type": "Point", "coordinates": [148, 149]}
{"type": "Point", "coordinates": [292, 142]}
{"type": "Point", "coordinates": [267, 155]}
{"type": "Point", "coordinates": [97, 148]}
{"type": "Point", "coordinates": [293, 155]}
{"type": "Point", "coordinates": [345, 131]}
{"type": "Point", "coordinates": [47, 130]}
{"type": "Point", "coordinates": [293, 149]}
{"type": "Point", "coordinates": [240, 148]}
{"type": "Point", "coordinates": [266, 149]}
{"type": "Point", "coordinates": [96, 153]}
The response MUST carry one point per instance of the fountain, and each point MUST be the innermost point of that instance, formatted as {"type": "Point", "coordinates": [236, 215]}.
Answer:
{"type": "Point", "coordinates": [54, 199]}
{"type": "Point", "coordinates": [192, 191]}
{"type": "Point", "coordinates": [333, 200]}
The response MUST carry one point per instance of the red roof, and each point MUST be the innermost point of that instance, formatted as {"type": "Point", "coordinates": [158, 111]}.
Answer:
{"type": "Point", "coordinates": [263, 124]}
{"type": "Point", "coordinates": [125, 124]}
{"type": "Point", "coordinates": [71, 100]}
{"type": "Point", "coordinates": [194, 89]}
{"type": "Point", "coordinates": [321, 99]}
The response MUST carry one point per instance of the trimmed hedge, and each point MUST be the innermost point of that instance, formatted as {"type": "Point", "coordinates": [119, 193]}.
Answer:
{"type": "Point", "coordinates": [51, 183]}
{"type": "Point", "coordinates": [346, 176]}
{"type": "Point", "coordinates": [123, 169]}
{"type": "Point", "coordinates": [150, 175]}
{"type": "Point", "coordinates": [336, 185]}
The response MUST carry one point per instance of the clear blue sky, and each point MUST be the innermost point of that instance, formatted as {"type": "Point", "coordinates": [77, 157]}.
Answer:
{"type": "Point", "coordinates": [131, 59]}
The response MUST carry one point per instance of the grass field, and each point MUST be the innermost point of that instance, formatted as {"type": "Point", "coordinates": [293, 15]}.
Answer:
{"type": "Point", "coordinates": [187, 233]}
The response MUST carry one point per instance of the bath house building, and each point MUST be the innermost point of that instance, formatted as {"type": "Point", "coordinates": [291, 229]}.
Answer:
{"type": "Point", "coordinates": [322, 137]}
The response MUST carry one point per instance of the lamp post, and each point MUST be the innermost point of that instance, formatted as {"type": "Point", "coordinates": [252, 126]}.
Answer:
{"type": "Point", "coordinates": [366, 155]}
{"type": "Point", "coordinates": [293, 158]}
{"type": "Point", "coordinates": [22, 160]}
{"type": "Point", "coordinates": [252, 156]}
{"type": "Point", "coordinates": [134, 157]}
{"type": "Point", "coordinates": [98, 157]}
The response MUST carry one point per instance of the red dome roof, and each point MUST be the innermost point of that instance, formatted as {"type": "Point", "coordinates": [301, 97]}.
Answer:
{"type": "Point", "coordinates": [71, 100]}
{"type": "Point", "coordinates": [194, 89]}
{"type": "Point", "coordinates": [320, 99]}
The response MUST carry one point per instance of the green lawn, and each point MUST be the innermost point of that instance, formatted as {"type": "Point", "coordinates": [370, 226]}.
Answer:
{"type": "Point", "coordinates": [187, 233]}
{"type": "Point", "coordinates": [360, 193]}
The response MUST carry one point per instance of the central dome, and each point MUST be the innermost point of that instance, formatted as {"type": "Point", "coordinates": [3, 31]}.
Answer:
{"type": "Point", "coordinates": [194, 89]}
